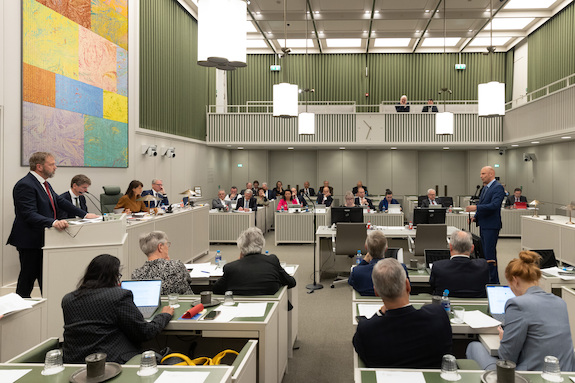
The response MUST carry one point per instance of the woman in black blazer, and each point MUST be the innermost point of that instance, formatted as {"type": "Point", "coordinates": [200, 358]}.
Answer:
{"type": "Point", "coordinates": [100, 316]}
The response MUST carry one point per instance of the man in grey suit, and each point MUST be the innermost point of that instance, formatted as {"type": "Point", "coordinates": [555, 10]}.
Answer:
{"type": "Point", "coordinates": [219, 203]}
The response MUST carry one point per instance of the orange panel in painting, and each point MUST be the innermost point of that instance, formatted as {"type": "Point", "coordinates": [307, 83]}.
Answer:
{"type": "Point", "coordinates": [39, 85]}
{"type": "Point", "coordinates": [78, 11]}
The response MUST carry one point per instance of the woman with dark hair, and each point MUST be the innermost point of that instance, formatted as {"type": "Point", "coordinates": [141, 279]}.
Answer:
{"type": "Point", "coordinates": [284, 203]}
{"type": "Point", "coordinates": [279, 190]}
{"type": "Point", "coordinates": [100, 316]}
{"type": "Point", "coordinates": [128, 200]}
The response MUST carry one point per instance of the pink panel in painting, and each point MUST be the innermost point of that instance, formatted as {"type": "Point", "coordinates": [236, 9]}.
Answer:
{"type": "Point", "coordinates": [97, 60]}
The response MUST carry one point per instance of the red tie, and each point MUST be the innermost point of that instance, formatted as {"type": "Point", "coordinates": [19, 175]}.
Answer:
{"type": "Point", "coordinates": [50, 196]}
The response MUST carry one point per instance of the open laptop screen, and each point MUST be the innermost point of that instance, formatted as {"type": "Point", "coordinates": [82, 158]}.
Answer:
{"type": "Point", "coordinates": [497, 296]}
{"type": "Point", "coordinates": [146, 292]}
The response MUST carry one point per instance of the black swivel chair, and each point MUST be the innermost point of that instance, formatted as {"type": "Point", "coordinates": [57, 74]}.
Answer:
{"type": "Point", "coordinates": [434, 255]}
{"type": "Point", "coordinates": [547, 258]}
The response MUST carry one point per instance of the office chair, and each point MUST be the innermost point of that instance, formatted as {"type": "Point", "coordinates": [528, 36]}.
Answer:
{"type": "Point", "coordinates": [434, 255]}
{"type": "Point", "coordinates": [446, 201]}
{"type": "Point", "coordinates": [394, 252]}
{"type": "Point", "coordinates": [109, 198]}
{"type": "Point", "coordinates": [350, 237]}
{"type": "Point", "coordinates": [420, 200]}
{"type": "Point", "coordinates": [431, 236]}
{"type": "Point", "coordinates": [547, 258]}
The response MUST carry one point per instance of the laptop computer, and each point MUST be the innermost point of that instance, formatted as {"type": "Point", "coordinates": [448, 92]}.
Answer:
{"type": "Point", "coordinates": [394, 208]}
{"type": "Point", "coordinates": [520, 205]}
{"type": "Point", "coordinates": [146, 295]}
{"type": "Point", "coordinates": [497, 296]}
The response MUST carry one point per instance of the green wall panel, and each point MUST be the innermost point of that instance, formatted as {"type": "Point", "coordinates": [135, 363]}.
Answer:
{"type": "Point", "coordinates": [341, 77]}
{"type": "Point", "coordinates": [174, 90]}
{"type": "Point", "coordinates": [551, 53]}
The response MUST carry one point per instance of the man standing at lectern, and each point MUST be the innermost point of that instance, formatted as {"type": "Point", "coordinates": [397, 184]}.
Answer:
{"type": "Point", "coordinates": [37, 207]}
{"type": "Point", "coordinates": [488, 218]}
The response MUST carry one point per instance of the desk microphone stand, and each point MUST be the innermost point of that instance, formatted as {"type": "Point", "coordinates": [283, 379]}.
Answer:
{"type": "Point", "coordinates": [313, 286]}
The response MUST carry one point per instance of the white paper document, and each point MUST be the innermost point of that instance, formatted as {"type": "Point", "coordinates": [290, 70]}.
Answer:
{"type": "Point", "coordinates": [202, 270]}
{"type": "Point", "coordinates": [183, 377]}
{"type": "Point", "coordinates": [368, 309]}
{"type": "Point", "coordinates": [13, 302]}
{"type": "Point", "coordinates": [555, 272]}
{"type": "Point", "coordinates": [290, 270]}
{"type": "Point", "coordinates": [399, 376]}
{"type": "Point", "coordinates": [251, 310]}
{"type": "Point", "coordinates": [227, 313]}
{"type": "Point", "coordinates": [476, 319]}
{"type": "Point", "coordinates": [10, 376]}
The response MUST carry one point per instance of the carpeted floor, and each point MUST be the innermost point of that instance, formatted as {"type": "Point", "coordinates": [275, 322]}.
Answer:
{"type": "Point", "coordinates": [325, 352]}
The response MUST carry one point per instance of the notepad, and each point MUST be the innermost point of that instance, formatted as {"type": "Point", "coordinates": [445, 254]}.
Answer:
{"type": "Point", "coordinates": [183, 377]}
{"type": "Point", "coordinates": [251, 310]}
{"type": "Point", "coordinates": [10, 376]}
{"type": "Point", "coordinates": [368, 310]}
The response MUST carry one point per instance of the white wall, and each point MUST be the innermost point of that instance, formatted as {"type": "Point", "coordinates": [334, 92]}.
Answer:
{"type": "Point", "coordinates": [195, 164]}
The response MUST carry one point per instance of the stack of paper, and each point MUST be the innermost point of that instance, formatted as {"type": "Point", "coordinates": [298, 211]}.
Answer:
{"type": "Point", "coordinates": [555, 272]}
{"type": "Point", "coordinates": [368, 309]}
{"type": "Point", "coordinates": [476, 319]}
{"type": "Point", "coordinates": [13, 302]}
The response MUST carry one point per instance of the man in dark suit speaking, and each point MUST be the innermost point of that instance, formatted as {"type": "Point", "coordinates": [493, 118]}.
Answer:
{"type": "Point", "coordinates": [516, 197]}
{"type": "Point", "coordinates": [488, 218]}
{"type": "Point", "coordinates": [37, 206]}
{"type": "Point", "coordinates": [247, 202]}
{"type": "Point", "coordinates": [78, 186]}
{"type": "Point", "coordinates": [462, 276]}
{"type": "Point", "coordinates": [399, 335]}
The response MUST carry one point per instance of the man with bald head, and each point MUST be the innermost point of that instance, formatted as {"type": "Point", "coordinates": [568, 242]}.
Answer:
{"type": "Point", "coordinates": [488, 218]}
{"type": "Point", "coordinates": [220, 202]}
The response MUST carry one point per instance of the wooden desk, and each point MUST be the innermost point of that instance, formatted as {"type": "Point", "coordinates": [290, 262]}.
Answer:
{"type": "Point", "coordinates": [218, 374]}
{"type": "Point", "coordinates": [22, 330]}
{"type": "Point", "coordinates": [226, 227]}
{"type": "Point", "coordinates": [556, 234]}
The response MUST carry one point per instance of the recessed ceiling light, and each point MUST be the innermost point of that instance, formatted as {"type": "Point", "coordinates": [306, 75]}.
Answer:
{"type": "Point", "coordinates": [258, 13]}
{"type": "Point", "coordinates": [471, 30]}
{"type": "Point", "coordinates": [515, 145]}
{"type": "Point", "coordinates": [497, 147]}
{"type": "Point", "coordinates": [417, 31]}
{"type": "Point", "coordinates": [367, 12]}
{"type": "Point", "coordinates": [240, 148]}
{"type": "Point", "coordinates": [376, 12]}
{"type": "Point", "coordinates": [529, 4]}
{"type": "Point", "coordinates": [320, 32]}
{"type": "Point", "coordinates": [343, 43]}
{"type": "Point", "coordinates": [290, 147]}
{"type": "Point", "coordinates": [502, 23]}
{"type": "Point", "coordinates": [229, 146]}
{"type": "Point", "coordinates": [439, 41]}
{"type": "Point", "coordinates": [534, 142]}
{"type": "Point", "coordinates": [389, 42]}
{"type": "Point", "coordinates": [316, 12]}
{"type": "Point", "coordinates": [486, 41]}
{"type": "Point", "coordinates": [427, 11]}
{"type": "Point", "coordinates": [446, 148]}
{"type": "Point", "coordinates": [342, 148]}
{"type": "Point", "coordinates": [393, 148]}
{"type": "Point", "coordinates": [364, 31]}
{"type": "Point", "coordinates": [565, 137]}
{"type": "Point", "coordinates": [488, 10]}
{"type": "Point", "coordinates": [269, 32]}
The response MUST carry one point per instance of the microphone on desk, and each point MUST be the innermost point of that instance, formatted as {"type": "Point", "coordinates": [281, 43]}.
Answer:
{"type": "Point", "coordinates": [93, 196]}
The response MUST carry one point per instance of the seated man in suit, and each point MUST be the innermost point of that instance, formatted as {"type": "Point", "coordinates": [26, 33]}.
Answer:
{"type": "Point", "coordinates": [462, 276]}
{"type": "Point", "coordinates": [247, 202]}
{"type": "Point", "coordinates": [248, 187]}
{"type": "Point", "coordinates": [220, 202]}
{"type": "Point", "coordinates": [78, 186]}
{"type": "Point", "coordinates": [233, 196]}
{"type": "Point", "coordinates": [307, 191]}
{"type": "Point", "coordinates": [326, 184]}
{"type": "Point", "coordinates": [254, 273]}
{"type": "Point", "coordinates": [431, 200]}
{"type": "Point", "coordinates": [157, 191]}
{"type": "Point", "coordinates": [360, 277]}
{"type": "Point", "coordinates": [269, 194]}
{"type": "Point", "coordinates": [362, 200]}
{"type": "Point", "coordinates": [403, 105]}
{"type": "Point", "coordinates": [388, 200]}
{"type": "Point", "coordinates": [325, 198]}
{"type": "Point", "coordinates": [399, 335]}
{"type": "Point", "coordinates": [516, 197]}
{"type": "Point", "coordinates": [429, 107]}
{"type": "Point", "coordinates": [359, 185]}
{"type": "Point", "coordinates": [296, 198]}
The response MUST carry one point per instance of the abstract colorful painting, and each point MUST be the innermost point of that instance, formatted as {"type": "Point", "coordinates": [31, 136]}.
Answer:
{"type": "Point", "coordinates": [75, 81]}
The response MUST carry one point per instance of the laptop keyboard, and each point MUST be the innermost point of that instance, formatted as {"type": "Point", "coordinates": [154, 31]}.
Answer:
{"type": "Point", "coordinates": [147, 312]}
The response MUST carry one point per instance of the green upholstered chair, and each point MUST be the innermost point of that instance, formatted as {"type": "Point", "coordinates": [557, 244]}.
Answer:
{"type": "Point", "coordinates": [109, 198]}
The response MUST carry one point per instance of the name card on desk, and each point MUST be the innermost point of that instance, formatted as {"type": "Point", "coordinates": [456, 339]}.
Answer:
{"type": "Point", "coordinates": [320, 211]}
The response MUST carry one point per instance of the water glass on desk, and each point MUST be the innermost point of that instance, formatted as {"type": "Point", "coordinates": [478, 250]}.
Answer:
{"type": "Point", "coordinates": [551, 369]}
{"type": "Point", "coordinates": [229, 298]}
{"type": "Point", "coordinates": [173, 301]}
{"type": "Point", "coordinates": [148, 365]}
{"type": "Point", "coordinates": [53, 363]}
{"type": "Point", "coordinates": [449, 368]}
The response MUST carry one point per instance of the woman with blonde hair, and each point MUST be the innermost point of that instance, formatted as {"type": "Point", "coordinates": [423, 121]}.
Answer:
{"type": "Point", "coordinates": [536, 322]}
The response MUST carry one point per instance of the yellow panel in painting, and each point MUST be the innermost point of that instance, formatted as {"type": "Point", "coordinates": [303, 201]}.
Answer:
{"type": "Point", "coordinates": [109, 24]}
{"type": "Point", "coordinates": [50, 40]}
{"type": "Point", "coordinates": [115, 107]}
{"type": "Point", "coordinates": [120, 6]}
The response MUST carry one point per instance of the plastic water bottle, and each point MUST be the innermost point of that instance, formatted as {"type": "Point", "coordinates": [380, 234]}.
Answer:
{"type": "Point", "coordinates": [450, 209]}
{"type": "Point", "coordinates": [358, 257]}
{"type": "Point", "coordinates": [410, 225]}
{"type": "Point", "coordinates": [369, 225]}
{"type": "Point", "coordinates": [445, 301]}
{"type": "Point", "coordinates": [218, 258]}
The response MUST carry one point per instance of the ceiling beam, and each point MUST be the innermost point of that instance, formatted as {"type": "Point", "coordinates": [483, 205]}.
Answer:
{"type": "Point", "coordinates": [314, 26]}
{"type": "Point", "coordinates": [493, 13]}
{"type": "Point", "coordinates": [426, 26]}
{"type": "Point", "coordinates": [370, 27]}
{"type": "Point", "coordinates": [269, 43]}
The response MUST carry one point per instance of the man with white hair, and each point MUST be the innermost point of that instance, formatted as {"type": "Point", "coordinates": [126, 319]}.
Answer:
{"type": "Point", "coordinates": [297, 199]}
{"type": "Point", "coordinates": [220, 202]}
{"type": "Point", "coordinates": [254, 273]}
{"type": "Point", "coordinates": [247, 202]}
{"type": "Point", "coordinates": [431, 200]}
{"type": "Point", "coordinates": [157, 191]}
{"type": "Point", "coordinates": [267, 193]}
{"type": "Point", "coordinates": [403, 105]}
{"type": "Point", "coordinates": [488, 218]}
{"type": "Point", "coordinates": [399, 335]}
{"type": "Point", "coordinates": [462, 276]}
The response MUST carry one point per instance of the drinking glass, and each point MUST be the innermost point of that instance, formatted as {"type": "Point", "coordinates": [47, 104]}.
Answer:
{"type": "Point", "coordinates": [449, 368]}
{"type": "Point", "coordinates": [53, 363]}
{"type": "Point", "coordinates": [148, 365]}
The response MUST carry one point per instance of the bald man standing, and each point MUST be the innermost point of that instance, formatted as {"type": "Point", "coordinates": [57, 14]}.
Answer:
{"type": "Point", "coordinates": [488, 218]}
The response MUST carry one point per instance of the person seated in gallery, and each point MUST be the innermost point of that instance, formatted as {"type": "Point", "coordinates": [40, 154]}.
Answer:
{"type": "Point", "coordinates": [360, 277]}
{"type": "Point", "coordinates": [100, 316]}
{"type": "Point", "coordinates": [285, 201]}
{"type": "Point", "coordinates": [349, 199]}
{"type": "Point", "coordinates": [388, 200]}
{"type": "Point", "coordinates": [172, 272]}
{"type": "Point", "coordinates": [399, 335]}
{"type": "Point", "coordinates": [261, 199]}
{"type": "Point", "coordinates": [234, 195]}
{"type": "Point", "coordinates": [462, 276]}
{"type": "Point", "coordinates": [325, 198]}
{"type": "Point", "coordinates": [296, 198]}
{"type": "Point", "coordinates": [430, 200]}
{"type": "Point", "coordinates": [325, 184]}
{"type": "Point", "coordinates": [220, 202]}
{"type": "Point", "coordinates": [307, 191]}
{"type": "Point", "coordinates": [429, 107]}
{"type": "Point", "coordinates": [515, 197]}
{"type": "Point", "coordinates": [362, 200]}
{"type": "Point", "coordinates": [253, 273]}
{"type": "Point", "coordinates": [358, 186]}
{"type": "Point", "coordinates": [247, 202]}
{"type": "Point", "coordinates": [403, 105]}
{"type": "Point", "coordinates": [128, 201]}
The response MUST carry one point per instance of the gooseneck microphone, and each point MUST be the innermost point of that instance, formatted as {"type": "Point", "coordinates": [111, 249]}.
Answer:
{"type": "Point", "coordinates": [93, 196]}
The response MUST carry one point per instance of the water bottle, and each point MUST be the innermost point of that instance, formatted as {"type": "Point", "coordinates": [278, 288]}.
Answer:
{"type": "Point", "coordinates": [218, 258]}
{"type": "Point", "coordinates": [369, 225]}
{"type": "Point", "coordinates": [450, 209]}
{"type": "Point", "coordinates": [445, 301]}
{"type": "Point", "coordinates": [410, 225]}
{"type": "Point", "coordinates": [358, 257]}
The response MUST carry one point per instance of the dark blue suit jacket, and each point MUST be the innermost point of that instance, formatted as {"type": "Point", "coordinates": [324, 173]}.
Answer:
{"type": "Point", "coordinates": [83, 205]}
{"type": "Point", "coordinates": [328, 201]}
{"type": "Point", "coordinates": [155, 203]}
{"type": "Point", "coordinates": [488, 214]}
{"type": "Point", "coordinates": [462, 276]}
{"type": "Point", "coordinates": [383, 206]}
{"type": "Point", "coordinates": [253, 203]}
{"type": "Point", "coordinates": [360, 277]}
{"type": "Point", "coordinates": [34, 213]}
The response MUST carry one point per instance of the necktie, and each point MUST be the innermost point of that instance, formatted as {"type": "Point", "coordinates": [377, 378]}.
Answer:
{"type": "Point", "coordinates": [246, 204]}
{"type": "Point", "coordinates": [50, 196]}
{"type": "Point", "coordinates": [76, 201]}
{"type": "Point", "coordinates": [516, 199]}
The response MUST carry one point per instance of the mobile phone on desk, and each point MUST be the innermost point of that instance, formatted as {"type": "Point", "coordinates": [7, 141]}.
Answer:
{"type": "Point", "coordinates": [211, 315]}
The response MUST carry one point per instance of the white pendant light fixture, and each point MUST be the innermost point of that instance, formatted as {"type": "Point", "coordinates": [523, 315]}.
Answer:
{"type": "Point", "coordinates": [306, 120]}
{"type": "Point", "coordinates": [222, 33]}
{"type": "Point", "coordinates": [444, 121]}
{"type": "Point", "coordinates": [491, 96]}
{"type": "Point", "coordinates": [285, 102]}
